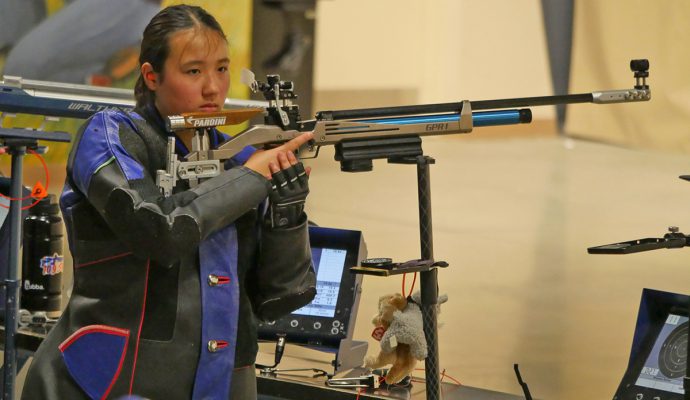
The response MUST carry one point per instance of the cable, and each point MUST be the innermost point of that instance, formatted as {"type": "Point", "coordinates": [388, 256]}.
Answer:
{"type": "Point", "coordinates": [523, 384]}
{"type": "Point", "coordinates": [443, 374]}
{"type": "Point", "coordinates": [414, 280]}
{"type": "Point", "coordinates": [278, 354]}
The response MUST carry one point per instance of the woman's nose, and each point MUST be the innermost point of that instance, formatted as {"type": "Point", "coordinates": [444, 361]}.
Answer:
{"type": "Point", "coordinates": [211, 86]}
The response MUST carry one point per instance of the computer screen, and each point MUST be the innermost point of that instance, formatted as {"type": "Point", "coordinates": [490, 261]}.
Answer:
{"type": "Point", "coordinates": [330, 317]}
{"type": "Point", "coordinates": [328, 264]}
{"type": "Point", "coordinates": [659, 352]}
{"type": "Point", "coordinates": [664, 368]}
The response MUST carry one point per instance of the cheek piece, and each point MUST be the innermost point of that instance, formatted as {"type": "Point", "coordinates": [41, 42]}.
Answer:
{"type": "Point", "coordinates": [290, 188]}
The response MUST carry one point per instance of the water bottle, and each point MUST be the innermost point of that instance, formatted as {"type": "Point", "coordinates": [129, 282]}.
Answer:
{"type": "Point", "coordinates": [42, 258]}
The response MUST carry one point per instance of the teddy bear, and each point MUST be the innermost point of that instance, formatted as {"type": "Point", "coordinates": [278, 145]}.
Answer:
{"type": "Point", "coordinates": [399, 328]}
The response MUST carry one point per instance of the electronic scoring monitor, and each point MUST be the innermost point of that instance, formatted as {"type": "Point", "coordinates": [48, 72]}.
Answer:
{"type": "Point", "coordinates": [664, 367]}
{"type": "Point", "coordinates": [658, 359]}
{"type": "Point", "coordinates": [330, 317]}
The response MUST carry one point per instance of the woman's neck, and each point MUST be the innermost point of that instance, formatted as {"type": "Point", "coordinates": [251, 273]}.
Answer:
{"type": "Point", "coordinates": [185, 135]}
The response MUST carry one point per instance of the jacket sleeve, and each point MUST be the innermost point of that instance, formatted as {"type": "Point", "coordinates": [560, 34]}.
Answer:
{"type": "Point", "coordinates": [121, 189]}
{"type": "Point", "coordinates": [284, 278]}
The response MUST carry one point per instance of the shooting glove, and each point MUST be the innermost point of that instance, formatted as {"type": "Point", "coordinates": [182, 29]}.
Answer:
{"type": "Point", "coordinates": [290, 188]}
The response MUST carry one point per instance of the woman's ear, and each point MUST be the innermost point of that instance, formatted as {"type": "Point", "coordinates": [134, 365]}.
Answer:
{"type": "Point", "coordinates": [150, 76]}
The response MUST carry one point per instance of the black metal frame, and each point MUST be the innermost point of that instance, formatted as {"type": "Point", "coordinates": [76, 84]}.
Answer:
{"type": "Point", "coordinates": [672, 240]}
{"type": "Point", "coordinates": [17, 142]}
{"type": "Point", "coordinates": [426, 266]}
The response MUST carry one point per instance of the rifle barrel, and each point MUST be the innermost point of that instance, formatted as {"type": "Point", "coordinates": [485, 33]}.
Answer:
{"type": "Point", "coordinates": [455, 107]}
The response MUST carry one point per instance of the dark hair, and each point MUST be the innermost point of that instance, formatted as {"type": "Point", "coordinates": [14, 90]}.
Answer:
{"type": "Point", "coordinates": [154, 45]}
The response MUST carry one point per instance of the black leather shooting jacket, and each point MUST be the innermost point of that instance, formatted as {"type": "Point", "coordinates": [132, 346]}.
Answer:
{"type": "Point", "coordinates": [166, 291]}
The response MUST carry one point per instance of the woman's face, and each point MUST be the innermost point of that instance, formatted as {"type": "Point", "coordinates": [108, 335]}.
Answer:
{"type": "Point", "coordinates": [195, 76]}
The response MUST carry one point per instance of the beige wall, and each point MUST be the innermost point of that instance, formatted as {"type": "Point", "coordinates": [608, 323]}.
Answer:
{"type": "Point", "coordinates": [433, 51]}
{"type": "Point", "coordinates": [607, 35]}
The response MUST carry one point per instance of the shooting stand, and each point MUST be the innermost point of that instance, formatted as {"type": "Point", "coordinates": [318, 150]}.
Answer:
{"type": "Point", "coordinates": [17, 142]}
{"type": "Point", "coordinates": [356, 156]}
{"type": "Point", "coordinates": [674, 239]}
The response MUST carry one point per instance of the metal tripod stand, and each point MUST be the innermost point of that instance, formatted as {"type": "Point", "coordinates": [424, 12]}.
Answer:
{"type": "Point", "coordinates": [17, 142]}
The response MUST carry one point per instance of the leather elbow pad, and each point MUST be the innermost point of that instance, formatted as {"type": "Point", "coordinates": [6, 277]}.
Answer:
{"type": "Point", "coordinates": [148, 231]}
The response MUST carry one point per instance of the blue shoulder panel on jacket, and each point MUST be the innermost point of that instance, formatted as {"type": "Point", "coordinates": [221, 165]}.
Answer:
{"type": "Point", "coordinates": [100, 145]}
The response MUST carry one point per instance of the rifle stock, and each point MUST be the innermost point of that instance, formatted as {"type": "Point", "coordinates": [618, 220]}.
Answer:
{"type": "Point", "coordinates": [334, 132]}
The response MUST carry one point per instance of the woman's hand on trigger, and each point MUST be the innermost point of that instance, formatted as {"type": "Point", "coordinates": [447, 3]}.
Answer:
{"type": "Point", "coordinates": [265, 162]}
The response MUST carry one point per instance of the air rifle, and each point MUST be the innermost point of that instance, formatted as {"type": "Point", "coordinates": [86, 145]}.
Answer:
{"type": "Point", "coordinates": [359, 135]}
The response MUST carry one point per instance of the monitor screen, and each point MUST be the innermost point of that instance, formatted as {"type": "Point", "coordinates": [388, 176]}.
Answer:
{"type": "Point", "coordinates": [664, 367]}
{"type": "Point", "coordinates": [328, 264]}
{"type": "Point", "coordinates": [330, 317]}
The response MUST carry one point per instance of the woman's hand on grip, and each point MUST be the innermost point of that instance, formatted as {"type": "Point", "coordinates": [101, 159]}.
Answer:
{"type": "Point", "coordinates": [267, 162]}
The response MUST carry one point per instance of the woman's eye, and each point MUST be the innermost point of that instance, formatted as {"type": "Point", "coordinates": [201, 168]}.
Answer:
{"type": "Point", "coordinates": [194, 71]}
{"type": "Point", "coordinates": [223, 69]}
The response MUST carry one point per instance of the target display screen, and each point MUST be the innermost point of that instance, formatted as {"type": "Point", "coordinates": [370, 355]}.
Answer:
{"type": "Point", "coordinates": [665, 366]}
{"type": "Point", "coordinates": [325, 322]}
{"type": "Point", "coordinates": [328, 265]}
